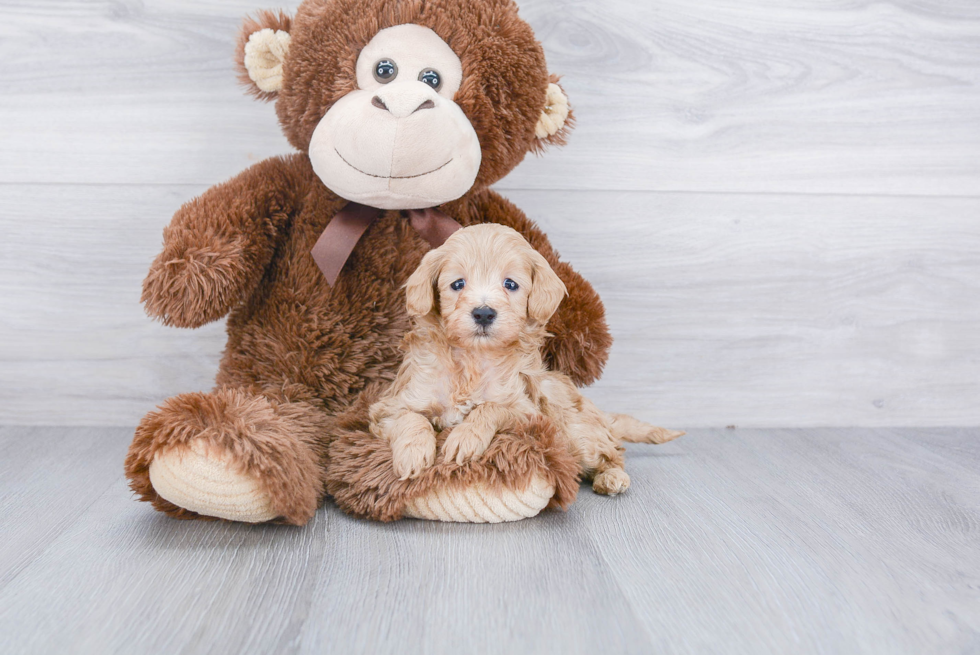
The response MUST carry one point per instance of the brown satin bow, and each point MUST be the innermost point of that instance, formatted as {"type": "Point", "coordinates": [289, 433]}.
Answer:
{"type": "Point", "coordinates": [345, 229]}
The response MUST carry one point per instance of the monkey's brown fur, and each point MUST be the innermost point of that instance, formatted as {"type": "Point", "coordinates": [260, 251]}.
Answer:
{"type": "Point", "coordinates": [300, 352]}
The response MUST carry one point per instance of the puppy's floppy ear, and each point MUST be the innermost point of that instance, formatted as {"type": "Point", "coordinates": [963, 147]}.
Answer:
{"type": "Point", "coordinates": [547, 290]}
{"type": "Point", "coordinates": [263, 44]}
{"type": "Point", "coordinates": [420, 290]}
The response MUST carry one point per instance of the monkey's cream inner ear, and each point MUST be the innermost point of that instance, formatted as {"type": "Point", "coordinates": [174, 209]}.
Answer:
{"type": "Point", "coordinates": [555, 113]}
{"type": "Point", "coordinates": [264, 54]}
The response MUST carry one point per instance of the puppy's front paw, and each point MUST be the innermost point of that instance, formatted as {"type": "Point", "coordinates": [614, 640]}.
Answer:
{"type": "Point", "coordinates": [410, 456]}
{"type": "Point", "coordinates": [463, 444]}
{"type": "Point", "coordinates": [611, 482]}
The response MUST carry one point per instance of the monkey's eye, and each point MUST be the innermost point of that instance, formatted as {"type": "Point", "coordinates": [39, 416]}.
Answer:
{"type": "Point", "coordinates": [385, 71]}
{"type": "Point", "coordinates": [457, 285]}
{"type": "Point", "coordinates": [430, 77]}
{"type": "Point", "coordinates": [510, 285]}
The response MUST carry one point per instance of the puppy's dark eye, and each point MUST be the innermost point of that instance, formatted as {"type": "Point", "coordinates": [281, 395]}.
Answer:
{"type": "Point", "coordinates": [431, 78]}
{"type": "Point", "coordinates": [457, 285]}
{"type": "Point", "coordinates": [510, 285]}
{"type": "Point", "coordinates": [385, 71]}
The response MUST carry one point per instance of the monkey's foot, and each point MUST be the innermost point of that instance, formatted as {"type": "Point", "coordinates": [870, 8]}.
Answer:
{"type": "Point", "coordinates": [208, 484]}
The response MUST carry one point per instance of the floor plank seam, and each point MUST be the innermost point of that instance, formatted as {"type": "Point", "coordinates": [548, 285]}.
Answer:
{"type": "Point", "coordinates": [611, 571]}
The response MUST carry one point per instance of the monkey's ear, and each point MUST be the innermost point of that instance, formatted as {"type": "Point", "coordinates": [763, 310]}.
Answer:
{"type": "Point", "coordinates": [547, 290]}
{"type": "Point", "coordinates": [263, 44]}
{"type": "Point", "coordinates": [420, 290]}
{"type": "Point", "coordinates": [556, 117]}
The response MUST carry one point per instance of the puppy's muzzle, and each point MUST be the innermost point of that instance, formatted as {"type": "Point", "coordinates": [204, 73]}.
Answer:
{"type": "Point", "coordinates": [484, 316]}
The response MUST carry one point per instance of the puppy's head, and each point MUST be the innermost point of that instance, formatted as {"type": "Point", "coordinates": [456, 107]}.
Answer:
{"type": "Point", "coordinates": [486, 285]}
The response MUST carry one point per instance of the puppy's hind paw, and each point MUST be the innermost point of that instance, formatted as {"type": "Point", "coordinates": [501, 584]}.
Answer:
{"type": "Point", "coordinates": [611, 482]}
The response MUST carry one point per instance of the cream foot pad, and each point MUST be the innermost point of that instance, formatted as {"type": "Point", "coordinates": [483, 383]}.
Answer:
{"type": "Point", "coordinates": [478, 504]}
{"type": "Point", "coordinates": [189, 478]}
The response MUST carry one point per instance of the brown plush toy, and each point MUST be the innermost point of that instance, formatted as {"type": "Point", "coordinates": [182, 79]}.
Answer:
{"type": "Point", "coordinates": [404, 112]}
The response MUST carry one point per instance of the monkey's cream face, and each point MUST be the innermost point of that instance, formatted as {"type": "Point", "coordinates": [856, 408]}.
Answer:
{"type": "Point", "coordinates": [399, 141]}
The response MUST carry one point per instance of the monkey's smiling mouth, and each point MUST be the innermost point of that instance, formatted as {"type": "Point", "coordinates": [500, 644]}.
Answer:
{"type": "Point", "coordinates": [389, 177]}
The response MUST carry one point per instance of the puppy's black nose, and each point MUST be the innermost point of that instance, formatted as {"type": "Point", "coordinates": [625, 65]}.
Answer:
{"type": "Point", "coordinates": [484, 315]}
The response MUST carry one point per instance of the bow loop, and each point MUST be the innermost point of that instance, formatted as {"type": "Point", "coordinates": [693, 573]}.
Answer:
{"type": "Point", "coordinates": [346, 228]}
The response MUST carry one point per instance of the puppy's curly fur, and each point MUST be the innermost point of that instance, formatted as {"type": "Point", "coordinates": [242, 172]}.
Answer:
{"type": "Point", "coordinates": [473, 366]}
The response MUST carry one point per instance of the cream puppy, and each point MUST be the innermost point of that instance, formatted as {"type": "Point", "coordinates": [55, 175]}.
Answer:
{"type": "Point", "coordinates": [473, 363]}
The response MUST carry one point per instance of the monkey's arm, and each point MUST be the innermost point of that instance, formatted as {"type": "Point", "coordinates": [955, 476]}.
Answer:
{"type": "Point", "coordinates": [581, 342]}
{"type": "Point", "coordinates": [219, 244]}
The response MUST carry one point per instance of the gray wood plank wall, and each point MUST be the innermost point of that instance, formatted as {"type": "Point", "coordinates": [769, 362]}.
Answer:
{"type": "Point", "coordinates": [779, 202]}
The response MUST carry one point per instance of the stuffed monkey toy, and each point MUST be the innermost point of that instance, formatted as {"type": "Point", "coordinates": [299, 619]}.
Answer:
{"type": "Point", "coordinates": [403, 113]}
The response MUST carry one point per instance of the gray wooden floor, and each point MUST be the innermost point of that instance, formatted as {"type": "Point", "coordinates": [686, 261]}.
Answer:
{"type": "Point", "coordinates": [734, 541]}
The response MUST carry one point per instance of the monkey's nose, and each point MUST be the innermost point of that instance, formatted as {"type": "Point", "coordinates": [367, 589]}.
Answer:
{"type": "Point", "coordinates": [380, 104]}
{"type": "Point", "coordinates": [484, 315]}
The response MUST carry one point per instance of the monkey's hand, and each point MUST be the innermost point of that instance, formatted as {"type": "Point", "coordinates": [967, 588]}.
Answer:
{"type": "Point", "coordinates": [581, 342]}
{"type": "Point", "coordinates": [218, 245]}
{"type": "Point", "coordinates": [580, 346]}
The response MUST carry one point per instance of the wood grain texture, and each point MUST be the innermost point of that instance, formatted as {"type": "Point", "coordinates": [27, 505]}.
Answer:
{"type": "Point", "coordinates": [727, 309]}
{"type": "Point", "coordinates": [735, 541]}
{"type": "Point", "coordinates": [767, 310]}
{"type": "Point", "coordinates": [849, 96]}
{"type": "Point", "coordinates": [802, 541]}
{"type": "Point", "coordinates": [48, 478]}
